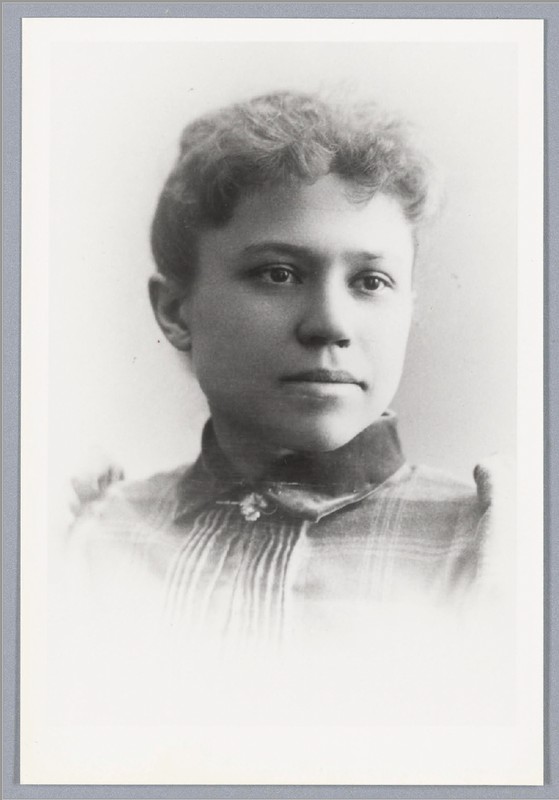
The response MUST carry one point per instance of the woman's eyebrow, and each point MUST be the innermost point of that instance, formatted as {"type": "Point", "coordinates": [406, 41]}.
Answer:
{"type": "Point", "coordinates": [363, 255]}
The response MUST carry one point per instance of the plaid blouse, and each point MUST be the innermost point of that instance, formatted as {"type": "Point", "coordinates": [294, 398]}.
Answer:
{"type": "Point", "coordinates": [213, 554]}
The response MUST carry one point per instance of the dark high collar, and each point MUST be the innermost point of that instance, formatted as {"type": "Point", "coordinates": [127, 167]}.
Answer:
{"type": "Point", "coordinates": [309, 484]}
{"type": "Point", "coordinates": [368, 459]}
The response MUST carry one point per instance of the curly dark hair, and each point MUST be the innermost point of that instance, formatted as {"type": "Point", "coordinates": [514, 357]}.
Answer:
{"type": "Point", "coordinates": [271, 140]}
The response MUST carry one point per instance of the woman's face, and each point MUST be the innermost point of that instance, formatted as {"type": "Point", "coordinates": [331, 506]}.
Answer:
{"type": "Point", "coordinates": [299, 314]}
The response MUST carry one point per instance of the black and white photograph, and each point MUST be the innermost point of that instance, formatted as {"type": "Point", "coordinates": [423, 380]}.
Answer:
{"type": "Point", "coordinates": [281, 383]}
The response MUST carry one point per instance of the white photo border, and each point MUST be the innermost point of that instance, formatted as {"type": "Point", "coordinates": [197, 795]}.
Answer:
{"type": "Point", "coordinates": [530, 352]}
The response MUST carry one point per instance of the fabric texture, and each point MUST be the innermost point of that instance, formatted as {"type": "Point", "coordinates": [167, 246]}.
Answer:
{"type": "Point", "coordinates": [293, 554]}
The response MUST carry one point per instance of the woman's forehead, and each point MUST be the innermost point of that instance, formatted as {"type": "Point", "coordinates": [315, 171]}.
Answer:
{"type": "Point", "coordinates": [322, 216]}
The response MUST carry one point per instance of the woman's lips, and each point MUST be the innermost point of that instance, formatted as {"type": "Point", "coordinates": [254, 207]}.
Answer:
{"type": "Point", "coordinates": [323, 376]}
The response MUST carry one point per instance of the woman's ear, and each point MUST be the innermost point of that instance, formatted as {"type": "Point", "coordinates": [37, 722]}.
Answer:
{"type": "Point", "coordinates": [167, 300]}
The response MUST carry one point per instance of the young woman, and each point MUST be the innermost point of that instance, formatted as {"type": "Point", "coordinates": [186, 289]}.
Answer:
{"type": "Point", "coordinates": [285, 240]}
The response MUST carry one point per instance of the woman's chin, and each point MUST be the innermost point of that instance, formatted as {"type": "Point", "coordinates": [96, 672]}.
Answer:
{"type": "Point", "coordinates": [317, 438]}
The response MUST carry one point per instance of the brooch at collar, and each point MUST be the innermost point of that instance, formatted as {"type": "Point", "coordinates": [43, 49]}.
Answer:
{"type": "Point", "coordinates": [252, 506]}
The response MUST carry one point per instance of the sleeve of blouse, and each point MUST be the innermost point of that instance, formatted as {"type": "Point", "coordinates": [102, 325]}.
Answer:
{"type": "Point", "coordinates": [87, 490]}
{"type": "Point", "coordinates": [92, 482]}
{"type": "Point", "coordinates": [495, 483]}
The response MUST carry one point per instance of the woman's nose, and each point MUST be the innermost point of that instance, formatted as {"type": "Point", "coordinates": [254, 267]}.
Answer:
{"type": "Point", "coordinates": [326, 318]}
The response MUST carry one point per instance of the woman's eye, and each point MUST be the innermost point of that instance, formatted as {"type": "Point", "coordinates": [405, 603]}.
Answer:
{"type": "Point", "coordinates": [278, 275]}
{"type": "Point", "coordinates": [372, 283]}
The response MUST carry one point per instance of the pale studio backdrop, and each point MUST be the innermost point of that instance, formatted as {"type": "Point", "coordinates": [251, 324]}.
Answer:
{"type": "Point", "coordinates": [117, 110]}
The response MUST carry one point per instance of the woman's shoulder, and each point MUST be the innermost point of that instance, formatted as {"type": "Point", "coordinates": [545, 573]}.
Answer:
{"type": "Point", "coordinates": [106, 499]}
{"type": "Point", "coordinates": [437, 507]}
{"type": "Point", "coordinates": [491, 482]}
{"type": "Point", "coordinates": [122, 530]}
{"type": "Point", "coordinates": [440, 485]}
{"type": "Point", "coordinates": [464, 527]}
